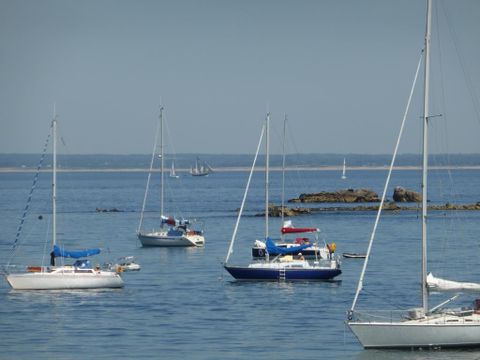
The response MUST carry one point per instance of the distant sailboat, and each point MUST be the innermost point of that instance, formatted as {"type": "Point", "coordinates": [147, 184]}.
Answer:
{"type": "Point", "coordinates": [200, 168]}
{"type": "Point", "coordinates": [344, 170]}
{"type": "Point", "coordinates": [173, 174]}
{"type": "Point", "coordinates": [172, 231]}
{"type": "Point", "coordinates": [80, 275]}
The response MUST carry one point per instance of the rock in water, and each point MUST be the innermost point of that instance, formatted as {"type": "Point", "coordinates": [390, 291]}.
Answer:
{"type": "Point", "coordinates": [341, 196]}
{"type": "Point", "coordinates": [403, 195]}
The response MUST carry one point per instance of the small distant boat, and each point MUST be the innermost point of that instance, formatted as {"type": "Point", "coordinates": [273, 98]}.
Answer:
{"type": "Point", "coordinates": [354, 255]}
{"type": "Point", "coordinates": [201, 169]}
{"type": "Point", "coordinates": [127, 263]}
{"type": "Point", "coordinates": [344, 170]}
{"type": "Point", "coordinates": [173, 174]}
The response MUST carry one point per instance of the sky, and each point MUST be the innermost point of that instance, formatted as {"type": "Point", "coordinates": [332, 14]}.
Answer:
{"type": "Point", "coordinates": [340, 69]}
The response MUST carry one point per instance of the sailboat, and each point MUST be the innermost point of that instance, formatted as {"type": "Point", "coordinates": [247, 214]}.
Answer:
{"type": "Point", "coordinates": [311, 252]}
{"type": "Point", "coordinates": [80, 275]}
{"type": "Point", "coordinates": [173, 174]}
{"type": "Point", "coordinates": [172, 231]}
{"type": "Point", "coordinates": [200, 169]}
{"type": "Point", "coordinates": [344, 170]}
{"type": "Point", "coordinates": [420, 327]}
{"type": "Point", "coordinates": [283, 267]}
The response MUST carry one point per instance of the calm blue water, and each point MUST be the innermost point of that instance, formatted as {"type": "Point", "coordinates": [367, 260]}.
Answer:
{"type": "Point", "coordinates": [182, 304]}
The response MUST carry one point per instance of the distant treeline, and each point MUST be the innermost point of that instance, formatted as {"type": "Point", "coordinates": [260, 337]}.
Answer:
{"type": "Point", "coordinates": [220, 161]}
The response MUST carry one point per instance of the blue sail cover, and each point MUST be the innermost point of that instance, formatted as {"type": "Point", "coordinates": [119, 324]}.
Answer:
{"type": "Point", "coordinates": [274, 249]}
{"type": "Point", "coordinates": [74, 254]}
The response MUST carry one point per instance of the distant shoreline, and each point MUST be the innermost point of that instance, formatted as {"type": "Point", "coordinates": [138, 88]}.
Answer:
{"type": "Point", "coordinates": [243, 169]}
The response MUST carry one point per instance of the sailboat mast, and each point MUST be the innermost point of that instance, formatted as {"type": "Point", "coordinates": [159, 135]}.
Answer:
{"type": "Point", "coordinates": [54, 180]}
{"type": "Point", "coordinates": [283, 168]}
{"type": "Point", "coordinates": [267, 169]}
{"type": "Point", "coordinates": [425, 156]}
{"type": "Point", "coordinates": [161, 163]}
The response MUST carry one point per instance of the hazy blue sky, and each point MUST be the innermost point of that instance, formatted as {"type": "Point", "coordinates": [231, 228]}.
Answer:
{"type": "Point", "coordinates": [340, 69]}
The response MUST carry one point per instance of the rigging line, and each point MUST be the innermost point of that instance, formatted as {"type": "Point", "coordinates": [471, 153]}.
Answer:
{"type": "Point", "coordinates": [387, 299]}
{"type": "Point", "coordinates": [47, 232]}
{"type": "Point", "coordinates": [442, 86]}
{"type": "Point", "coordinates": [234, 235]}
{"type": "Point", "coordinates": [298, 178]}
{"type": "Point", "coordinates": [178, 184]}
{"type": "Point", "coordinates": [365, 263]}
{"type": "Point", "coordinates": [283, 171]}
{"type": "Point", "coordinates": [468, 81]}
{"type": "Point", "coordinates": [450, 223]}
{"type": "Point", "coordinates": [456, 214]}
{"type": "Point", "coordinates": [149, 176]}
{"type": "Point", "coordinates": [442, 143]}
{"type": "Point", "coordinates": [174, 188]}
{"type": "Point", "coordinates": [29, 199]}
{"type": "Point", "coordinates": [25, 236]}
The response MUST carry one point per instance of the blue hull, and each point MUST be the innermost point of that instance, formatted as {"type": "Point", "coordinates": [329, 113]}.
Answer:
{"type": "Point", "coordinates": [246, 273]}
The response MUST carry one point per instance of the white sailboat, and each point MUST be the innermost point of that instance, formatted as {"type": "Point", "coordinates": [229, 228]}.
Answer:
{"type": "Point", "coordinates": [424, 326]}
{"type": "Point", "coordinates": [172, 232]}
{"type": "Point", "coordinates": [80, 275]}
{"type": "Point", "coordinates": [173, 174]}
{"type": "Point", "coordinates": [344, 170]}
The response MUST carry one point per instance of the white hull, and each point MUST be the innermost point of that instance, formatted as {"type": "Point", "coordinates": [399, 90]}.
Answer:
{"type": "Point", "coordinates": [130, 267]}
{"type": "Point", "coordinates": [286, 263]}
{"type": "Point", "coordinates": [436, 332]}
{"type": "Point", "coordinates": [163, 240]}
{"type": "Point", "coordinates": [60, 280]}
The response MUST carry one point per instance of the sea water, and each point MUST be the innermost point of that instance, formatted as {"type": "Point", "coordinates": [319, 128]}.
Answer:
{"type": "Point", "coordinates": [183, 304]}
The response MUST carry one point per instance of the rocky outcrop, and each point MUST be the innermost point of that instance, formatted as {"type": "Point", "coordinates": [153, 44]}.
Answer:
{"type": "Point", "coordinates": [449, 206]}
{"type": "Point", "coordinates": [275, 211]}
{"type": "Point", "coordinates": [107, 210]}
{"type": "Point", "coordinates": [401, 194]}
{"type": "Point", "coordinates": [341, 196]}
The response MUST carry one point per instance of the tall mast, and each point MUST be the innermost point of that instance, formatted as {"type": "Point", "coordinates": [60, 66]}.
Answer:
{"type": "Point", "coordinates": [283, 168]}
{"type": "Point", "coordinates": [161, 163]}
{"type": "Point", "coordinates": [267, 169]}
{"type": "Point", "coordinates": [425, 156]}
{"type": "Point", "coordinates": [54, 178]}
